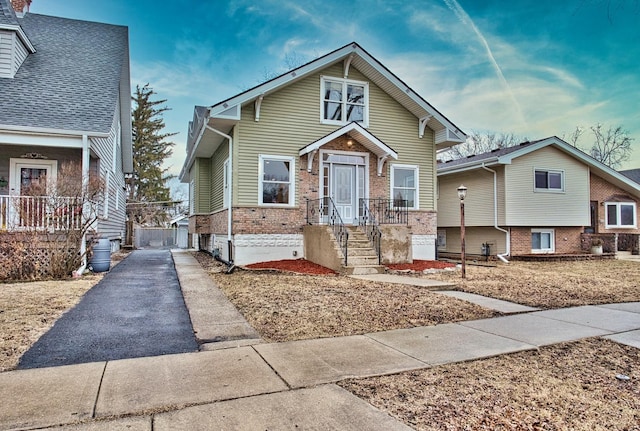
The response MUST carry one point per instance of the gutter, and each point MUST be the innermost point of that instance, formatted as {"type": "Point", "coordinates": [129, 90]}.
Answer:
{"type": "Point", "coordinates": [495, 216]}
{"type": "Point", "coordinates": [229, 192]}
{"type": "Point", "coordinates": [85, 184]}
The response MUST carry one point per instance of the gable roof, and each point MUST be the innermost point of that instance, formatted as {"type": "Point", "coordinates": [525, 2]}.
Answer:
{"type": "Point", "coordinates": [351, 54]}
{"type": "Point", "coordinates": [505, 156]}
{"type": "Point", "coordinates": [72, 82]}
{"type": "Point", "coordinates": [362, 135]}
{"type": "Point", "coordinates": [223, 115]}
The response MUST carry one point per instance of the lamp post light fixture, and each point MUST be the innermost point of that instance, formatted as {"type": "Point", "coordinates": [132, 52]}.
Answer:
{"type": "Point", "coordinates": [462, 193]}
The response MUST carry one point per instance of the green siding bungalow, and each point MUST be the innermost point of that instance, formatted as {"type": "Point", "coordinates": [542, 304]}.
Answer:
{"type": "Point", "coordinates": [307, 163]}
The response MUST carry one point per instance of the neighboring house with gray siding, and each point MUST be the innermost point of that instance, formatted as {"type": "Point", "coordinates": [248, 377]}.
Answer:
{"type": "Point", "coordinates": [538, 197]}
{"type": "Point", "coordinates": [66, 97]}
{"type": "Point", "coordinates": [340, 139]}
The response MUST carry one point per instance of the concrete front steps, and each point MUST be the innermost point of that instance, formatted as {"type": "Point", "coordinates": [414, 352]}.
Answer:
{"type": "Point", "coordinates": [362, 259]}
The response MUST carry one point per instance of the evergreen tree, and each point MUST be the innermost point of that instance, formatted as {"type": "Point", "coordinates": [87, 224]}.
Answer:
{"type": "Point", "coordinates": [150, 149]}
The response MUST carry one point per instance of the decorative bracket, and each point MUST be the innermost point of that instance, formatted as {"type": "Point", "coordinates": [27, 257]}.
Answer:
{"type": "Point", "coordinates": [381, 161]}
{"type": "Point", "coordinates": [347, 63]}
{"type": "Point", "coordinates": [258, 103]}
{"type": "Point", "coordinates": [310, 157]}
{"type": "Point", "coordinates": [422, 124]}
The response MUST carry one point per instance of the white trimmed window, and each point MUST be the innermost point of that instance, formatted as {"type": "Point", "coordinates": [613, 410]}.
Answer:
{"type": "Point", "coordinates": [344, 101]}
{"type": "Point", "coordinates": [546, 180]}
{"type": "Point", "coordinates": [404, 185]}
{"type": "Point", "coordinates": [620, 215]}
{"type": "Point", "coordinates": [276, 186]}
{"type": "Point", "coordinates": [542, 241]}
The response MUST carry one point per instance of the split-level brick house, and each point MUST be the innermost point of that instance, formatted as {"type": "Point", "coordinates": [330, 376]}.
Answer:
{"type": "Point", "coordinates": [544, 196]}
{"type": "Point", "coordinates": [65, 98]}
{"type": "Point", "coordinates": [335, 143]}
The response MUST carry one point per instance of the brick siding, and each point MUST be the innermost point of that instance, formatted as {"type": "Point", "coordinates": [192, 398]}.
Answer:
{"type": "Point", "coordinates": [603, 191]}
{"type": "Point", "coordinates": [567, 240]}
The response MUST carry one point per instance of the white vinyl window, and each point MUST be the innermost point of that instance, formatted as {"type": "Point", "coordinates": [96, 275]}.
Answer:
{"type": "Point", "coordinates": [276, 184]}
{"type": "Point", "coordinates": [404, 185]}
{"type": "Point", "coordinates": [620, 215]}
{"type": "Point", "coordinates": [344, 101]}
{"type": "Point", "coordinates": [548, 180]}
{"type": "Point", "coordinates": [542, 241]}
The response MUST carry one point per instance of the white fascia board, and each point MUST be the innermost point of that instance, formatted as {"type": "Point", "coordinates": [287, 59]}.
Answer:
{"type": "Point", "coordinates": [359, 131]}
{"type": "Point", "coordinates": [21, 34]}
{"type": "Point", "coordinates": [469, 166]}
{"type": "Point", "coordinates": [50, 141]}
{"type": "Point", "coordinates": [287, 78]}
{"type": "Point", "coordinates": [191, 156]}
{"type": "Point", "coordinates": [50, 131]}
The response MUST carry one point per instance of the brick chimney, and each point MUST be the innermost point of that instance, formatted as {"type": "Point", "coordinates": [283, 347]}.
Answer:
{"type": "Point", "coordinates": [21, 6]}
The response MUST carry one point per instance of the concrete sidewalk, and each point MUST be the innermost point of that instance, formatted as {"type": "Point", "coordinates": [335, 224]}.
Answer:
{"type": "Point", "coordinates": [278, 385]}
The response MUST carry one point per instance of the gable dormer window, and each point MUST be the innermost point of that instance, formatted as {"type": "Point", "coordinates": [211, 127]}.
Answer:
{"type": "Point", "coordinates": [344, 101]}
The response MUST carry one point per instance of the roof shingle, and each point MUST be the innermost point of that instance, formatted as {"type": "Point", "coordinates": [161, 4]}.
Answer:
{"type": "Point", "coordinates": [72, 81]}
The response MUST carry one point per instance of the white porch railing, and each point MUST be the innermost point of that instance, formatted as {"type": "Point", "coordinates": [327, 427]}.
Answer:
{"type": "Point", "coordinates": [40, 212]}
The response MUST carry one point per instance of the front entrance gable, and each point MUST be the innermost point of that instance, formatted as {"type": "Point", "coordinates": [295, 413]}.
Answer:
{"type": "Point", "coordinates": [360, 134]}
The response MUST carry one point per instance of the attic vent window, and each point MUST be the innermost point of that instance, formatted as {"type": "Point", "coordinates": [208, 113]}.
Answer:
{"type": "Point", "coordinates": [344, 101]}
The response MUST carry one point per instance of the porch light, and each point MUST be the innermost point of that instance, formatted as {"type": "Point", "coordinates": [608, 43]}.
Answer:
{"type": "Point", "coordinates": [349, 142]}
{"type": "Point", "coordinates": [462, 193]}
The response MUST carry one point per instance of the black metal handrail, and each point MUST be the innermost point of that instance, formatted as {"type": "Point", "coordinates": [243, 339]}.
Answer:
{"type": "Point", "coordinates": [388, 211]}
{"type": "Point", "coordinates": [368, 224]}
{"type": "Point", "coordinates": [323, 210]}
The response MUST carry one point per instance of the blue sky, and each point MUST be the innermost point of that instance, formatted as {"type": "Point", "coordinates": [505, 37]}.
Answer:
{"type": "Point", "coordinates": [533, 68]}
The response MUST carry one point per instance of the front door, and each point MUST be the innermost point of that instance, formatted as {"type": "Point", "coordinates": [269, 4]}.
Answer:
{"type": "Point", "coordinates": [344, 192]}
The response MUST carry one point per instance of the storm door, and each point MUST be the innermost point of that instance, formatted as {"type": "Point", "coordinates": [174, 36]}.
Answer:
{"type": "Point", "coordinates": [344, 180]}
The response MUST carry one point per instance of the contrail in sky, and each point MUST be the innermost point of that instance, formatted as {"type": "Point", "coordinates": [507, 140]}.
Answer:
{"type": "Point", "coordinates": [466, 19]}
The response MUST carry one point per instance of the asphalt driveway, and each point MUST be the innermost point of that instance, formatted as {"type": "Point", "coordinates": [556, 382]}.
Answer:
{"type": "Point", "coordinates": [136, 310]}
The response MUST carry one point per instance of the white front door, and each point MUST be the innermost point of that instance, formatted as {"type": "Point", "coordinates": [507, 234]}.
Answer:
{"type": "Point", "coordinates": [31, 177]}
{"type": "Point", "coordinates": [344, 192]}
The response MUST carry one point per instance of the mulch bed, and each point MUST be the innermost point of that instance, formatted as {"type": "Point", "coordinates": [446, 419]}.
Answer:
{"type": "Point", "coordinates": [302, 266]}
{"type": "Point", "coordinates": [299, 266]}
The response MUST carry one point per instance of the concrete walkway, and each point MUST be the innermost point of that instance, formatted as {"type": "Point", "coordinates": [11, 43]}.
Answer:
{"type": "Point", "coordinates": [280, 385]}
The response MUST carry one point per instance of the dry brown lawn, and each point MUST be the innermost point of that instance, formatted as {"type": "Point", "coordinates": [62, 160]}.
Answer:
{"type": "Point", "coordinates": [570, 386]}
{"type": "Point", "coordinates": [293, 307]}
{"type": "Point", "coordinates": [553, 284]}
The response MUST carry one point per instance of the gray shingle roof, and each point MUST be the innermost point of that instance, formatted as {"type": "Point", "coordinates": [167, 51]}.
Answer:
{"type": "Point", "coordinates": [7, 15]}
{"type": "Point", "coordinates": [488, 155]}
{"type": "Point", "coordinates": [633, 174]}
{"type": "Point", "coordinates": [72, 81]}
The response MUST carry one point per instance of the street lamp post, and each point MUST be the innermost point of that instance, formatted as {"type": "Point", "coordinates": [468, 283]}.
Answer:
{"type": "Point", "coordinates": [462, 193]}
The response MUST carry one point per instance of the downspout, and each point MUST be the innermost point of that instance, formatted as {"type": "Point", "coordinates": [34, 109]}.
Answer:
{"type": "Point", "coordinates": [229, 193]}
{"type": "Point", "coordinates": [85, 185]}
{"type": "Point", "coordinates": [495, 216]}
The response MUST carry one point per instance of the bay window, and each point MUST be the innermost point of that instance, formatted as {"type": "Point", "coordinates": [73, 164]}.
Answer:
{"type": "Point", "coordinates": [620, 215]}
